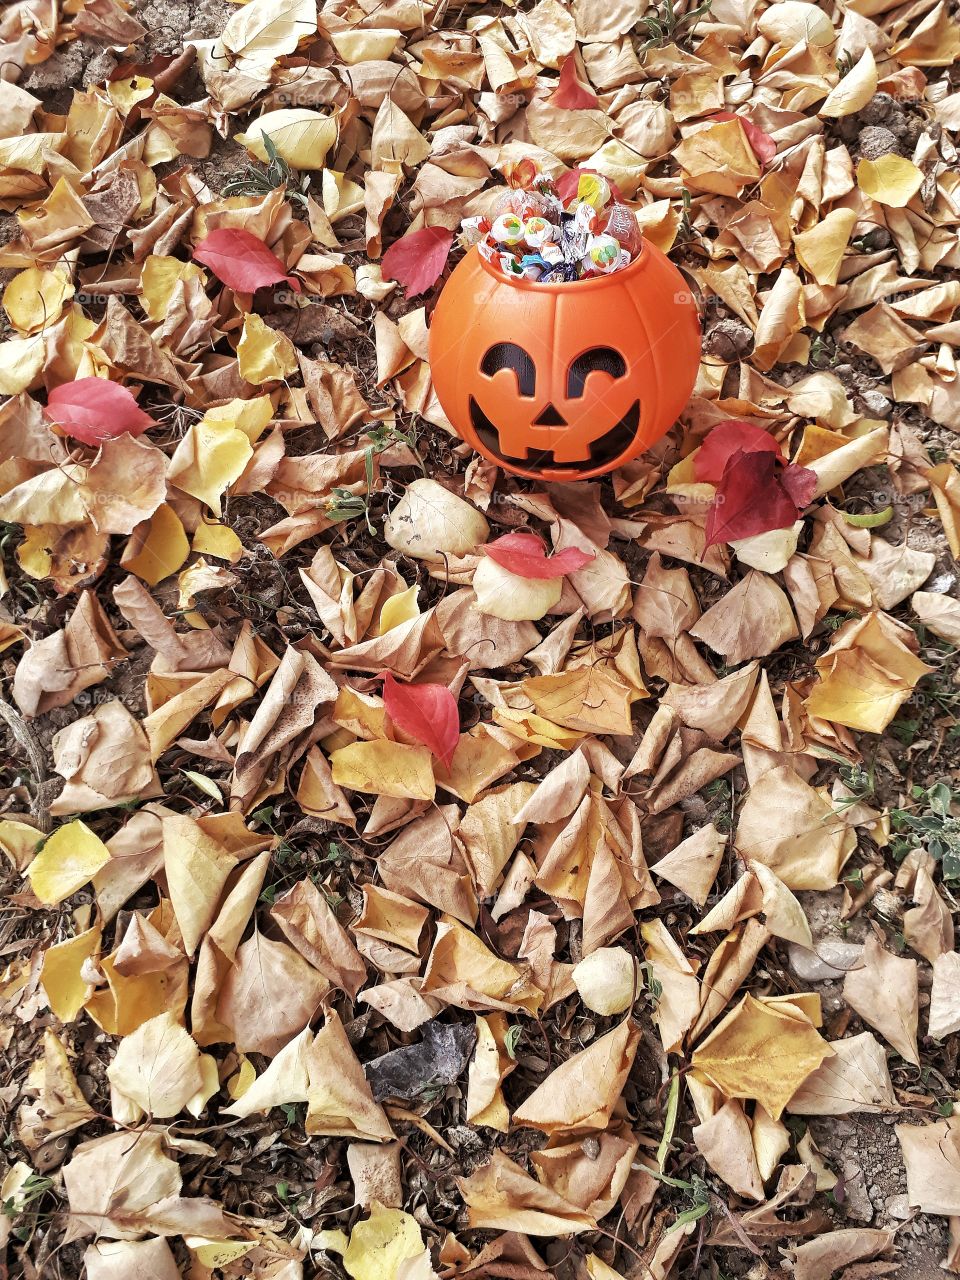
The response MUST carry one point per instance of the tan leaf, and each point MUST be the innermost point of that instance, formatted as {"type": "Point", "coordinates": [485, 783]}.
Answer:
{"type": "Point", "coordinates": [856, 1078]}
{"type": "Point", "coordinates": [750, 621]}
{"type": "Point", "coordinates": [883, 991]}
{"type": "Point", "coordinates": [580, 1094]}
{"type": "Point", "coordinates": [339, 1102]}
{"type": "Point", "coordinates": [501, 1196]}
{"type": "Point", "coordinates": [157, 1067]}
{"type": "Point", "coordinates": [931, 1153]}
{"type": "Point", "coordinates": [269, 995]}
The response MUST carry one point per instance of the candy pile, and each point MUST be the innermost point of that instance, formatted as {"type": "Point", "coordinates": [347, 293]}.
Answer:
{"type": "Point", "coordinates": [534, 234]}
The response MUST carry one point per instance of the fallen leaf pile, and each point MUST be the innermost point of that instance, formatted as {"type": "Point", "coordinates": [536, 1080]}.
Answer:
{"type": "Point", "coordinates": [415, 872]}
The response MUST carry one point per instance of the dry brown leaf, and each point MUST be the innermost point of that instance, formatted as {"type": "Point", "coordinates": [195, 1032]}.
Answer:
{"type": "Point", "coordinates": [580, 1095]}
{"type": "Point", "coordinates": [268, 996]}
{"type": "Point", "coordinates": [501, 1196]}
{"type": "Point", "coordinates": [883, 991]}
{"type": "Point", "coordinates": [931, 1153]}
{"type": "Point", "coordinates": [856, 1078]}
{"type": "Point", "coordinates": [762, 1052]}
{"type": "Point", "coordinates": [339, 1101]}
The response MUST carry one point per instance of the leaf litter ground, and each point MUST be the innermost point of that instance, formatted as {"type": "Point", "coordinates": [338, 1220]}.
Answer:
{"type": "Point", "coordinates": [299, 1128]}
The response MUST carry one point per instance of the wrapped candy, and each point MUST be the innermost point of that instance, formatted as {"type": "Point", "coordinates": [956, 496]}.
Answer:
{"type": "Point", "coordinates": [604, 254]}
{"type": "Point", "coordinates": [508, 229]}
{"type": "Point", "coordinates": [620, 223]}
{"type": "Point", "coordinates": [532, 236]}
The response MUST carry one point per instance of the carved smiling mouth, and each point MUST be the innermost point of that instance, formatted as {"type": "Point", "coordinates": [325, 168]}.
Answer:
{"type": "Point", "coordinates": [602, 450]}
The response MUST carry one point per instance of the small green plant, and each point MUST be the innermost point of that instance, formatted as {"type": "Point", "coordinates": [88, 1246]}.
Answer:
{"type": "Point", "coordinates": [384, 434]}
{"type": "Point", "coordinates": [22, 1208]}
{"type": "Point", "coordinates": [653, 985]}
{"type": "Point", "coordinates": [665, 25]}
{"type": "Point", "coordinates": [905, 730]}
{"type": "Point", "coordinates": [343, 504]}
{"type": "Point", "coordinates": [512, 1039]}
{"type": "Point", "coordinates": [697, 1191]}
{"type": "Point", "coordinates": [932, 825]}
{"type": "Point", "coordinates": [260, 182]}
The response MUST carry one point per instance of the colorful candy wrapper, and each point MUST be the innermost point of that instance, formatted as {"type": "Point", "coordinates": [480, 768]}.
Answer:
{"type": "Point", "coordinates": [604, 254]}
{"type": "Point", "coordinates": [531, 236]}
{"type": "Point", "coordinates": [538, 231]}
{"type": "Point", "coordinates": [592, 189]}
{"type": "Point", "coordinates": [508, 229]}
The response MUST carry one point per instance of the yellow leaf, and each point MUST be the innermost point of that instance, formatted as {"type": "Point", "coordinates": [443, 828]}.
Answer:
{"type": "Point", "coordinates": [357, 45]}
{"type": "Point", "coordinates": [213, 539]}
{"type": "Point", "coordinates": [158, 279]}
{"type": "Point", "coordinates": [301, 136]}
{"type": "Point", "coordinates": [35, 299]}
{"type": "Point", "coordinates": [379, 1245]}
{"type": "Point", "coordinates": [385, 769]}
{"type": "Point", "coordinates": [400, 608]}
{"type": "Point", "coordinates": [60, 976]}
{"type": "Point", "coordinates": [591, 699]}
{"type": "Point", "coordinates": [249, 416]}
{"type": "Point", "coordinates": [21, 360]}
{"type": "Point", "coordinates": [196, 867]}
{"type": "Point", "coordinates": [761, 1052]}
{"type": "Point", "coordinates": [503, 594]}
{"type": "Point", "coordinates": [867, 674]}
{"type": "Point", "coordinates": [820, 250]}
{"type": "Point", "coordinates": [892, 180]}
{"type": "Point", "coordinates": [264, 354]}
{"type": "Point", "coordinates": [72, 856]}
{"type": "Point", "coordinates": [156, 548]}
{"type": "Point", "coordinates": [597, 1269]}
{"type": "Point", "coordinates": [855, 89]}
{"type": "Point", "coordinates": [208, 459]}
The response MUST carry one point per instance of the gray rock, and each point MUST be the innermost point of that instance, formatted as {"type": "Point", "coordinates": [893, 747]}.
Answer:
{"type": "Point", "coordinates": [876, 140]}
{"type": "Point", "coordinates": [898, 1207]}
{"type": "Point", "coordinates": [856, 1201]}
{"type": "Point", "coordinates": [830, 961]}
{"type": "Point", "coordinates": [876, 404]}
{"type": "Point", "coordinates": [728, 340]}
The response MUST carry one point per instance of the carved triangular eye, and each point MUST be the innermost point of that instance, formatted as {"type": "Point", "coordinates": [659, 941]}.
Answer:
{"type": "Point", "coordinates": [602, 359]}
{"type": "Point", "coordinates": [507, 355]}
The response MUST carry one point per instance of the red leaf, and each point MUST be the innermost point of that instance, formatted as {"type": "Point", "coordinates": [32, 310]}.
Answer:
{"type": "Point", "coordinates": [749, 499]}
{"type": "Point", "coordinates": [570, 94]}
{"type": "Point", "coordinates": [428, 713]}
{"type": "Point", "coordinates": [724, 441]}
{"type": "Point", "coordinates": [95, 409]}
{"type": "Point", "coordinates": [568, 182]}
{"type": "Point", "coordinates": [241, 260]}
{"type": "Point", "coordinates": [800, 483]}
{"type": "Point", "coordinates": [525, 555]}
{"type": "Point", "coordinates": [417, 260]}
{"type": "Point", "coordinates": [761, 144]}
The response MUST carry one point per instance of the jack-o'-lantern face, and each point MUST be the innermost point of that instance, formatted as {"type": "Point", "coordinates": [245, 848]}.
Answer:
{"type": "Point", "coordinates": [592, 424]}
{"type": "Point", "coordinates": [564, 381]}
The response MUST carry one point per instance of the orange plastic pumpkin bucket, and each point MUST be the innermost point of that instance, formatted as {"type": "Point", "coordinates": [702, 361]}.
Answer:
{"type": "Point", "coordinates": [569, 380]}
